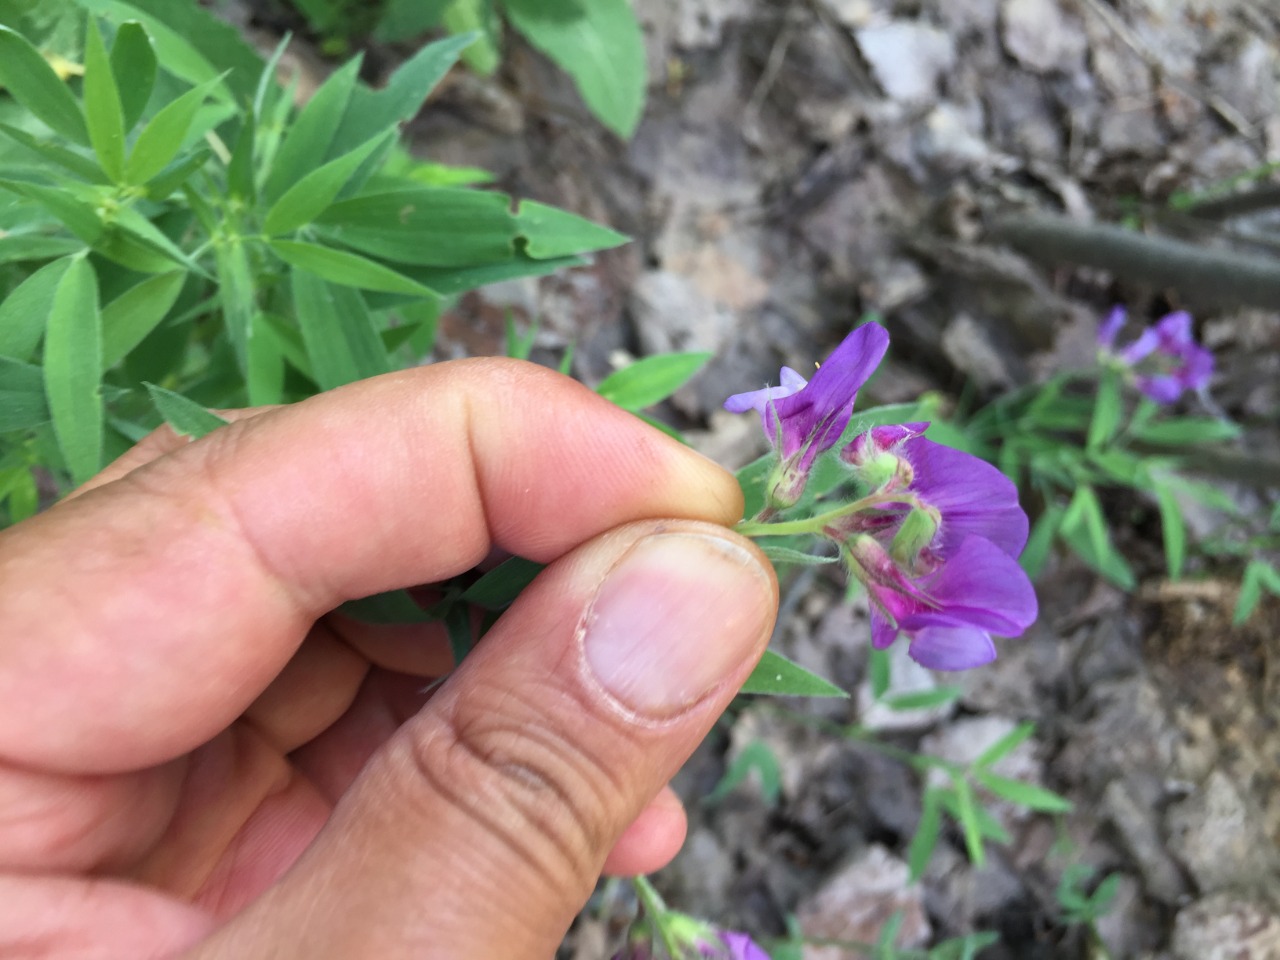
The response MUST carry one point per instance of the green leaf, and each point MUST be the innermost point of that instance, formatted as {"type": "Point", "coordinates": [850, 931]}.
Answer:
{"type": "Point", "coordinates": [128, 318]}
{"type": "Point", "coordinates": [311, 195]}
{"type": "Point", "coordinates": [799, 558]}
{"type": "Point", "coordinates": [651, 380]}
{"type": "Point", "coordinates": [242, 183]}
{"type": "Point", "coordinates": [879, 671]}
{"type": "Point", "coordinates": [73, 370]}
{"type": "Point", "coordinates": [24, 312]}
{"type": "Point", "coordinates": [23, 404]}
{"type": "Point", "coordinates": [102, 106]}
{"type": "Point", "coordinates": [74, 163]}
{"type": "Point", "coordinates": [346, 269]}
{"type": "Point", "coordinates": [31, 81]}
{"type": "Point", "coordinates": [501, 585]}
{"type": "Point", "coordinates": [264, 373]}
{"type": "Point", "coordinates": [1172, 527]}
{"type": "Point", "coordinates": [1040, 542]}
{"type": "Point", "coordinates": [426, 226]}
{"type": "Point", "coordinates": [1187, 431]}
{"type": "Point", "coordinates": [1084, 528]}
{"type": "Point", "coordinates": [926, 835]}
{"type": "Point", "coordinates": [457, 622]}
{"type": "Point", "coordinates": [21, 247]}
{"type": "Point", "coordinates": [370, 112]}
{"type": "Point", "coordinates": [967, 814]}
{"type": "Point", "coordinates": [775, 675]}
{"type": "Point", "coordinates": [236, 294]}
{"type": "Point", "coordinates": [479, 16]}
{"type": "Point", "coordinates": [341, 340]}
{"type": "Point", "coordinates": [77, 216]}
{"type": "Point", "coordinates": [308, 140]}
{"type": "Point", "coordinates": [756, 756]}
{"type": "Point", "coordinates": [186, 417]}
{"type": "Point", "coordinates": [551, 232]}
{"type": "Point", "coordinates": [1258, 574]}
{"type": "Point", "coordinates": [450, 282]}
{"type": "Point", "coordinates": [163, 136]}
{"type": "Point", "coordinates": [1024, 794]}
{"type": "Point", "coordinates": [1107, 410]}
{"type": "Point", "coordinates": [175, 176]}
{"type": "Point", "coordinates": [1005, 745]}
{"type": "Point", "coordinates": [922, 699]}
{"type": "Point", "coordinates": [597, 42]}
{"type": "Point", "coordinates": [395, 606]}
{"type": "Point", "coordinates": [133, 63]}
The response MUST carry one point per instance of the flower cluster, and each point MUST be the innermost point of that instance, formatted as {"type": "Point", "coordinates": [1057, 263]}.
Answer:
{"type": "Point", "coordinates": [684, 938]}
{"type": "Point", "coordinates": [935, 536]}
{"type": "Point", "coordinates": [1164, 361]}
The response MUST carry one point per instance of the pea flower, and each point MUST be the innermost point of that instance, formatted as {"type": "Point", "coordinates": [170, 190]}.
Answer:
{"type": "Point", "coordinates": [970, 496]}
{"type": "Point", "coordinates": [949, 612]}
{"type": "Point", "coordinates": [695, 940]}
{"type": "Point", "coordinates": [1165, 360]}
{"type": "Point", "coordinates": [803, 418]}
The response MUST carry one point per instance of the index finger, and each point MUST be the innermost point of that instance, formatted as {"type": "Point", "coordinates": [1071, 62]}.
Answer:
{"type": "Point", "coordinates": [145, 615]}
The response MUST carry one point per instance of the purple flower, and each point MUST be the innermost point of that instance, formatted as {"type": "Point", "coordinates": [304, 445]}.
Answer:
{"type": "Point", "coordinates": [971, 497]}
{"type": "Point", "coordinates": [949, 613]}
{"type": "Point", "coordinates": [802, 419]}
{"type": "Point", "coordinates": [1165, 359]}
{"type": "Point", "coordinates": [697, 940]}
{"type": "Point", "coordinates": [731, 945]}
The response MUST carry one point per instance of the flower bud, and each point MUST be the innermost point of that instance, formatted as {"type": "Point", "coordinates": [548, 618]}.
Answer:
{"type": "Point", "coordinates": [917, 531]}
{"type": "Point", "coordinates": [786, 484]}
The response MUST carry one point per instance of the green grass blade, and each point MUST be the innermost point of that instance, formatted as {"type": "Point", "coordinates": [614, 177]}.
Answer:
{"type": "Point", "coordinates": [73, 370]}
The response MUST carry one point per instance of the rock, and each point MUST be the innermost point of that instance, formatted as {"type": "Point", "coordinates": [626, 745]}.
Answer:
{"type": "Point", "coordinates": [672, 314]}
{"type": "Point", "coordinates": [961, 893]}
{"type": "Point", "coordinates": [701, 23]}
{"type": "Point", "coordinates": [907, 58]}
{"type": "Point", "coordinates": [1130, 735]}
{"type": "Point", "coordinates": [1136, 828]}
{"type": "Point", "coordinates": [974, 351]}
{"type": "Point", "coordinates": [1218, 835]}
{"type": "Point", "coordinates": [1042, 36]}
{"type": "Point", "coordinates": [1227, 926]}
{"type": "Point", "coordinates": [856, 902]}
{"type": "Point", "coordinates": [1131, 927]}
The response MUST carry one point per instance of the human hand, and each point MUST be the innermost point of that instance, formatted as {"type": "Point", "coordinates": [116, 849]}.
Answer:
{"type": "Point", "coordinates": [195, 757]}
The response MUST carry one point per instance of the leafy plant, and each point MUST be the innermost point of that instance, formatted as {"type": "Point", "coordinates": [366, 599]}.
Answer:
{"type": "Point", "coordinates": [172, 219]}
{"type": "Point", "coordinates": [599, 43]}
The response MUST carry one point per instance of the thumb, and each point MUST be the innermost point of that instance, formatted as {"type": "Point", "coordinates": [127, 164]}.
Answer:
{"type": "Point", "coordinates": [480, 829]}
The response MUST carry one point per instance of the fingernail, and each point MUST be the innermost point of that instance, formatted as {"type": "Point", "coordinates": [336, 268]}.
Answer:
{"type": "Point", "coordinates": [674, 618]}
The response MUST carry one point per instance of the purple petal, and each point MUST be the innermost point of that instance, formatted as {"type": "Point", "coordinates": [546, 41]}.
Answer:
{"type": "Point", "coordinates": [1197, 367]}
{"type": "Point", "coordinates": [879, 439]}
{"type": "Point", "coordinates": [742, 947]}
{"type": "Point", "coordinates": [1109, 327]}
{"type": "Point", "coordinates": [791, 381]}
{"type": "Point", "coordinates": [1174, 331]}
{"type": "Point", "coordinates": [943, 645]}
{"type": "Point", "coordinates": [980, 585]}
{"type": "Point", "coordinates": [973, 497]}
{"type": "Point", "coordinates": [883, 633]}
{"type": "Point", "coordinates": [1141, 348]}
{"type": "Point", "coordinates": [1161, 388]}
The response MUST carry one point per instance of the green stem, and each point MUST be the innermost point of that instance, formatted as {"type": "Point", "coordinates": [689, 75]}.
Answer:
{"type": "Point", "coordinates": [655, 910]}
{"type": "Point", "coordinates": [817, 523]}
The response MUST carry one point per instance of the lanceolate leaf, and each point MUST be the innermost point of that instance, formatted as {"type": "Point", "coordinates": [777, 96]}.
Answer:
{"type": "Point", "coordinates": [465, 16]}
{"type": "Point", "coordinates": [31, 81]}
{"type": "Point", "coordinates": [19, 247]}
{"type": "Point", "coordinates": [103, 110]}
{"type": "Point", "coordinates": [309, 197]}
{"type": "Point", "coordinates": [73, 370]}
{"type": "Point", "coordinates": [1172, 528]}
{"type": "Point", "coordinates": [550, 232]}
{"type": "Point", "coordinates": [133, 61]}
{"type": "Point", "coordinates": [77, 216]}
{"type": "Point", "coordinates": [340, 337]}
{"type": "Point", "coordinates": [22, 399]}
{"type": "Point", "coordinates": [185, 416]}
{"type": "Point", "coordinates": [308, 140]}
{"type": "Point", "coordinates": [78, 164]}
{"type": "Point", "coordinates": [24, 312]}
{"type": "Point", "coordinates": [778, 676]}
{"type": "Point", "coordinates": [163, 136]}
{"type": "Point", "coordinates": [346, 269]}
{"type": "Point", "coordinates": [651, 380]}
{"type": "Point", "coordinates": [1024, 794]}
{"type": "Point", "coordinates": [236, 295]}
{"type": "Point", "coordinates": [128, 318]}
{"type": "Point", "coordinates": [597, 42]}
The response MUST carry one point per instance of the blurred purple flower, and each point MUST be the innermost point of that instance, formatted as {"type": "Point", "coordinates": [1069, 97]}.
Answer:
{"type": "Point", "coordinates": [950, 612]}
{"type": "Point", "coordinates": [707, 943]}
{"type": "Point", "coordinates": [1171, 360]}
{"type": "Point", "coordinates": [733, 946]}
{"type": "Point", "coordinates": [802, 419]}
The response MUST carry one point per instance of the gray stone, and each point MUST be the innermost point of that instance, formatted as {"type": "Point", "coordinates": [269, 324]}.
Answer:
{"type": "Point", "coordinates": [1043, 36]}
{"type": "Point", "coordinates": [857, 901]}
{"type": "Point", "coordinates": [1227, 926]}
{"type": "Point", "coordinates": [1136, 826]}
{"type": "Point", "coordinates": [974, 351]}
{"type": "Point", "coordinates": [907, 58]}
{"type": "Point", "coordinates": [1219, 836]}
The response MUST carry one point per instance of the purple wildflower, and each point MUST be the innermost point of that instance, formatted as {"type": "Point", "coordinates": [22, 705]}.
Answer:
{"type": "Point", "coordinates": [950, 612]}
{"type": "Point", "coordinates": [971, 497]}
{"type": "Point", "coordinates": [1165, 359]}
{"type": "Point", "coordinates": [697, 941]}
{"type": "Point", "coordinates": [802, 419]}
